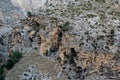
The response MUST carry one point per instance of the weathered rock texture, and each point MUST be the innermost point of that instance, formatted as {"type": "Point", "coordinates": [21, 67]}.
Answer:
{"type": "Point", "coordinates": [82, 36]}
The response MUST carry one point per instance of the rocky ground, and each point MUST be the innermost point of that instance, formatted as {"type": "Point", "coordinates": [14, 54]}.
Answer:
{"type": "Point", "coordinates": [34, 67]}
{"type": "Point", "coordinates": [81, 37]}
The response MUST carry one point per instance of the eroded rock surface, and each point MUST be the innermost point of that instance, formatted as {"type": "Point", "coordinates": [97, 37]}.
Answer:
{"type": "Point", "coordinates": [82, 36]}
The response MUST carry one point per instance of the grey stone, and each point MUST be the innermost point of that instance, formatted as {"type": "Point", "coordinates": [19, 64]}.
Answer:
{"type": "Point", "coordinates": [32, 73]}
{"type": "Point", "coordinates": [3, 50]}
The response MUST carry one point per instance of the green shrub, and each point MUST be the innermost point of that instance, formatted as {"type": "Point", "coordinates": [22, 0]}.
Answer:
{"type": "Point", "coordinates": [9, 64]}
{"type": "Point", "coordinates": [59, 59]}
{"type": "Point", "coordinates": [43, 26]}
{"type": "Point", "coordinates": [91, 15]}
{"type": "Point", "coordinates": [65, 26]}
{"type": "Point", "coordinates": [112, 32]}
{"type": "Point", "coordinates": [1, 70]}
{"type": "Point", "coordinates": [29, 14]}
{"type": "Point", "coordinates": [2, 78]}
{"type": "Point", "coordinates": [76, 0]}
{"type": "Point", "coordinates": [118, 13]}
{"type": "Point", "coordinates": [15, 56]}
{"type": "Point", "coordinates": [100, 1]}
{"type": "Point", "coordinates": [114, 13]}
{"type": "Point", "coordinates": [87, 33]}
{"type": "Point", "coordinates": [91, 26]}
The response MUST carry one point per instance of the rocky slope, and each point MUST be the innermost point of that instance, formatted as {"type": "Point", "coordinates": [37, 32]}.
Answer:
{"type": "Point", "coordinates": [35, 67]}
{"type": "Point", "coordinates": [83, 36]}
{"type": "Point", "coordinates": [13, 10]}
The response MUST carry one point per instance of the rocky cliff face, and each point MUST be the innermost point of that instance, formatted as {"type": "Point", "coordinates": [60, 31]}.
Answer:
{"type": "Point", "coordinates": [82, 36]}
{"type": "Point", "coordinates": [28, 5]}
{"type": "Point", "coordinates": [12, 10]}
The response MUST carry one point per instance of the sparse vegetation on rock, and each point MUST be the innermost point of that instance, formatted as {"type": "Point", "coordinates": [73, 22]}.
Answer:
{"type": "Point", "coordinates": [81, 36]}
{"type": "Point", "coordinates": [9, 64]}
{"type": "Point", "coordinates": [29, 14]}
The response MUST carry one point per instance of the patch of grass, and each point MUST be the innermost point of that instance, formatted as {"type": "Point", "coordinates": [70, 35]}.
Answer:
{"type": "Point", "coordinates": [118, 13]}
{"type": "Point", "coordinates": [87, 6]}
{"type": "Point", "coordinates": [76, 0]}
{"type": "Point", "coordinates": [90, 15]}
{"type": "Point", "coordinates": [59, 59]}
{"type": "Point", "coordinates": [104, 31]}
{"type": "Point", "coordinates": [79, 12]}
{"type": "Point", "coordinates": [74, 34]}
{"type": "Point", "coordinates": [48, 10]}
{"type": "Point", "coordinates": [103, 1]}
{"type": "Point", "coordinates": [91, 26]}
{"type": "Point", "coordinates": [114, 13]}
{"type": "Point", "coordinates": [50, 4]}
{"type": "Point", "coordinates": [111, 12]}
{"type": "Point", "coordinates": [112, 31]}
{"type": "Point", "coordinates": [63, 14]}
{"type": "Point", "coordinates": [87, 33]}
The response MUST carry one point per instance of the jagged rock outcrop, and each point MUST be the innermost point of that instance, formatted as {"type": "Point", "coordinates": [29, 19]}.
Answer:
{"type": "Point", "coordinates": [78, 64]}
{"type": "Point", "coordinates": [12, 11]}
{"type": "Point", "coordinates": [51, 44]}
{"type": "Point", "coordinates": [29, 5]}
{"type": "Point", "coordinates": [85, 42]}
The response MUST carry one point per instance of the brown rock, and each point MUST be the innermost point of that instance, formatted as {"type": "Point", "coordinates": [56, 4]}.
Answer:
{"type": "Point", "coordinates": [27, 27]}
